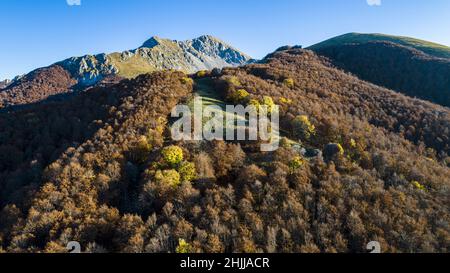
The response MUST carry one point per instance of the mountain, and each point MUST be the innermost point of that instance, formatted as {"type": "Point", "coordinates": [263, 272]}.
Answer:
{"type": "Point", "coordinates": [36, 86]}
{"type": "Point", "coordinates": [430, 48]}
{"type": "Point", "coordinates": [410, 66]}
{"type": "Point", "coordinates": [4, 84]}
{"type": "Point", "coordinates": [357, 163]}
{"type": "Point", "coordinates": [203, 53]}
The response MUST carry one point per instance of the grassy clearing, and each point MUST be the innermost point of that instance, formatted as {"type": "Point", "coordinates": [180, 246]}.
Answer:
{"type": "Point", "coordinates": [204, 88]}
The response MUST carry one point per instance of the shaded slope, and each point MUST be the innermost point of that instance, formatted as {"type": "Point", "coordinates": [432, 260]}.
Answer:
{"type": "Point", "coordinates": [396, 67]}
{"type": "Point", "coordinates": [430, 48]}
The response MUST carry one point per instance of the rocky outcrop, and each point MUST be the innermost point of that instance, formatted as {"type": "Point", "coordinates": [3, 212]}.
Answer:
{"type": "Point", "coordinates": [89, 69]}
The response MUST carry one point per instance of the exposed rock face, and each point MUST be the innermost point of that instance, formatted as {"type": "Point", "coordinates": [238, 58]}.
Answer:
{"type": "Point", "coordinates": [203, 53]}
{"type": "Point", "coordinates": [213, 52]}
{"type": "Point", "coordinates": [89, 69]}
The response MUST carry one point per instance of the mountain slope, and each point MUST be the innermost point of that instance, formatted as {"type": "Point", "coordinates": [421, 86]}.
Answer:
{"type": "Point", "coordinates": [4, 83]}
{"type": "Point", "coordinates": [430, 48]}
{"type": "Point", "coordinates": [409, 66]}
{"type": "Point", "coordinates": [39, 84]}
{"type": "Point", "coordinates": [107, 174]}
{"type": "Point", "coordinates": [203, 53]}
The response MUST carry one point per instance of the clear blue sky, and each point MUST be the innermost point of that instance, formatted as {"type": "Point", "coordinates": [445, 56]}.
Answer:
{"type": "Point", "coordinates": [36, 33]}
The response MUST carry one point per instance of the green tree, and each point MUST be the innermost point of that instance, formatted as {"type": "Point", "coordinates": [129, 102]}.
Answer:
{"type": "Point", "coordinates": [296, 163]}
{"type": "Point", "coordinates": [302, 127]}
{"type": "Point", "coordinates": [172, 155]}
{"type": "Point", "coordinates": [234, 81]}
{"type": "Point", "coordinates": [239, 96]}
{"type": "Point", "coordinates": [183, 247]}
{"type": "Point", "coordinates": [201, 74]}
{"type": "Point", "coordinates": [268, 101]}
{"type": "Point", "coordinates": [141, 150]}
{"type": "Point", "coordinates": [187, 80]}
{"type": "Point", "coordinates": [187, 171]}
{"type": "Point", "coordinates": [289, 82]}
{"type": "Point", "coordinates": [170, 177]}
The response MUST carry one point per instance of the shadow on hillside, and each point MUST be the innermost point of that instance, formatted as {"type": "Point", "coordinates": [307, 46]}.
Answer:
{"type": "Point", "coordinates": [35, 135]}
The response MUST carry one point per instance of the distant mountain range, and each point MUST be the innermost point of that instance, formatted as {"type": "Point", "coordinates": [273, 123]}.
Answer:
{"type": "Point", "coordinates": [203, 53]}
{"type": "Point", "coordinates": [410, 66]}
{"type": "Point", "coordinates": [413, 67]}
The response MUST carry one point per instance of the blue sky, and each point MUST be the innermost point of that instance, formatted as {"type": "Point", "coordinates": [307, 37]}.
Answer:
{"type": "Point", "coordinates": [36, 33]}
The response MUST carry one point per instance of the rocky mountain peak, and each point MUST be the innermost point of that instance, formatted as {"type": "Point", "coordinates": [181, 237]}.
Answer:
{"type": "Point", "coordinates": [213, 47]}
{"type": "Point", "coordinates": [203, 53]}
{"type": "Point", "coordinates": [154, 41]}
{"type": "Point", "coordinates": [209, 39]}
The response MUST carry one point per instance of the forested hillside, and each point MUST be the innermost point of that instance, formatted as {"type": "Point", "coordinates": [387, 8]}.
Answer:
{"type": "Point", "coordinates": [413, 67]}
{"type": "Point", "coordinates": [429, 48]}
{"type": "Point", "coordinates": [357, 163]}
